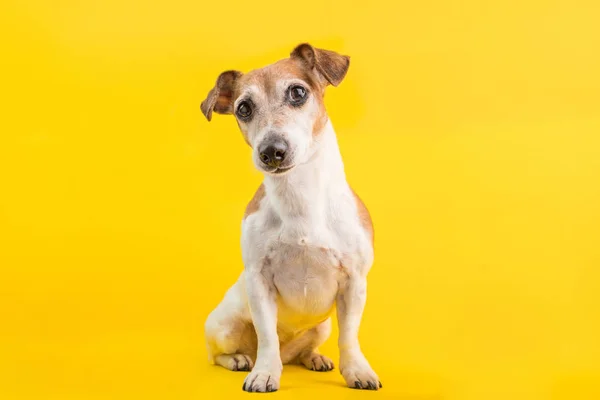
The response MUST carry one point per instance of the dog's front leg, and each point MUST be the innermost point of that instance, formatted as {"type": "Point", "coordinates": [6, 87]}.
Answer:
{"type": "Point", "coordinates": [354, 367]}
{"type": "Point", "coordinates": [263, 308]}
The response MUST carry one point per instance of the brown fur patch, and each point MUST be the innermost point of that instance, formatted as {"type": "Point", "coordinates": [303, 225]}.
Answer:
{"type": "Point", "coordinates": [254, 204]}
{"type": "Point", "coordinates": [285, 69]}
{"type": "Point", "coordinates": [331, 65]}
{"type": "Point", "coordinates": [321, 118]}
{"type": "Point", "coordinates": [220, 98]}
{"type": "Point", "coordinates": [364, 216]}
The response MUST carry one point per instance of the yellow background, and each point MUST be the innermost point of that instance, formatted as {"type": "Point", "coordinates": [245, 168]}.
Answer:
{"type": "Point", "coordinates": [470, 128]}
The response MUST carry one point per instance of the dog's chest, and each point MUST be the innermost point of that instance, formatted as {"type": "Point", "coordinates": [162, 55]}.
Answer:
{"type": "Point", "coordinates": [305, 249]}
{"type": "Point", "coordinates": [306, 273]}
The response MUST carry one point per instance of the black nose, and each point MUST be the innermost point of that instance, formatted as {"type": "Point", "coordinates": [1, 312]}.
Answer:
{"type": "Point", "coordinates": [272, 152]}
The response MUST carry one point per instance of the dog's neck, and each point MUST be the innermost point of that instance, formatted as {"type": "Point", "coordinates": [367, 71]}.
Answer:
{"type": "Point", "coordinates": [308, 190]}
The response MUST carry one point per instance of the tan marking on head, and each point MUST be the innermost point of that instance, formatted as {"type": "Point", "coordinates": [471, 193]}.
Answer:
{"type": "Point", "coordinates": [272, 112]}
{"type": "Point", "coordinates": [266, 77]}
{"type": "Point", "coordinates": [254, 204]}
{"type": "Point", "coordinates": [321, 118]}
{"type": "Point", "coordinates": [288, 68]}
{"type": "Point", "coordinates": [364, 216]}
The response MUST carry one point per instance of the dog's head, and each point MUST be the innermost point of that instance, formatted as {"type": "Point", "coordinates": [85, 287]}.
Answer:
{"type": "Point", "coordinates": [279, 108]}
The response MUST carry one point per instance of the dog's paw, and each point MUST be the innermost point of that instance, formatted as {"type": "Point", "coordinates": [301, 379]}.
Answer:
{"type": "Point", "coordinates": [359, 375]}
{"type": "Point", "coordinates": [235, 362]}
{"type": "Point", "coordinates": [261, 381]}
{"type": "Point", "coordinates": [317, 362]}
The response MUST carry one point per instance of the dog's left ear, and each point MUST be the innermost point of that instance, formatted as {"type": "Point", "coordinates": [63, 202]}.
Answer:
{"type": "Point", "coordinates": [220, 98]}
{"type": "Point", "coordinates": [329, 64]}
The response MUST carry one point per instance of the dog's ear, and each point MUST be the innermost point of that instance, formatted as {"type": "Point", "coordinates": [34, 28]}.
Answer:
{"type": "Point", "coordinates": [220, 98]}
{"type": "Point", "coordinates": [329, 64]}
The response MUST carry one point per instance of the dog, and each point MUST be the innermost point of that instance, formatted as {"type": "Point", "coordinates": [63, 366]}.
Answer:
{"type": "Point", "coordinates": [307, 238]}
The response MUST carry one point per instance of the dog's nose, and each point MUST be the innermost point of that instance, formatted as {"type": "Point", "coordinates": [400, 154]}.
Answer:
{"type": "Point", "coordinates": [272, 152]}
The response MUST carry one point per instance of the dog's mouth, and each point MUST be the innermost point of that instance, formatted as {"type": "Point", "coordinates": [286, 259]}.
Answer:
{"type": "Point", "coordinates": [282, 170]}
{"type": "Point", "coordinates": [279, 170]}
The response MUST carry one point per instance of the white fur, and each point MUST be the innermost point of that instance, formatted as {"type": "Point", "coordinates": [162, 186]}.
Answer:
{"type": "Point", "coordinates": [304, 251]}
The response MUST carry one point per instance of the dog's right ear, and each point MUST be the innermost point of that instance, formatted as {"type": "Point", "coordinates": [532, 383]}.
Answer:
{"type": "Point", "coordinates": [220, 98]}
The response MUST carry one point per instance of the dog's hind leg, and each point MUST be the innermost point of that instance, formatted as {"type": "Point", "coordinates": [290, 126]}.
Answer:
{"type": "Point", "coordinates": [234, 362]}
{"type": "Point", "coordinates": [304, 349]}
{"type": "Point", "coordinates": [230, 336]}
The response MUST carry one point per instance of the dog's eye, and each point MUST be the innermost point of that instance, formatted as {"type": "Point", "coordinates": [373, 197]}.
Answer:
{"type": "Point", "coordinates": [297, 95]}
{"type": "Point", "coordinates": [244, 110]}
